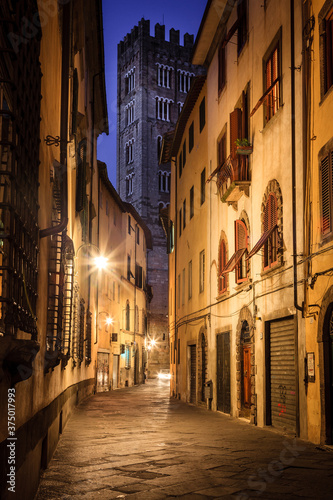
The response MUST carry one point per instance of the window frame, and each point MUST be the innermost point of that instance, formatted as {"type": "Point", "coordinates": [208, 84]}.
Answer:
{"type": "Point", "coordinates": [276, 44]}
{"type": "Point", "coordinates": [271, 245]}
{"type": "Point", "coordinates": [202, 271]}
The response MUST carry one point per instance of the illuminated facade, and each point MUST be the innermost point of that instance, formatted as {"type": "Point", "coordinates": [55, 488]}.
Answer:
{"type": "Point", "coordinates": [53, 107]}
{"type": "Point", "coordinates": [235, 227]}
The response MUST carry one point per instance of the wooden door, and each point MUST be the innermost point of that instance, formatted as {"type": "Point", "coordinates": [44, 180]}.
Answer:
{"type": "Point", "coordinates": [223, 372]}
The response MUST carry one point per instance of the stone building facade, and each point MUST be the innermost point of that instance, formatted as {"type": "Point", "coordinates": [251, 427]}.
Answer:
{"type": "Point", "coordinates": [154, 76]}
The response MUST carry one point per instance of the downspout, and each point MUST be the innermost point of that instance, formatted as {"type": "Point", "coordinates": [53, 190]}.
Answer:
{"type": "Point", "coordinates": [66, 20]}
{"type": "Point", "coordinates": [293, 151]}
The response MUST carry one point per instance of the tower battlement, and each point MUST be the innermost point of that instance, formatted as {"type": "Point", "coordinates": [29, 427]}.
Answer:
{"type": "Point", "coordinates": [142, 30]}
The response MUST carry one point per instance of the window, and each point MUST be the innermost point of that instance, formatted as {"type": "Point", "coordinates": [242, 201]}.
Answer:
{"type": "Point", "coordinates": [81, 176]}
{"type": "Point", "coordinates": [272, 83]}
{"type": "Point", "coordinates": [128, 316]}
{"type": "Point", "coordinates": [270, 226]}
{"type": "Point", "coordinates": [202, 271]}
{"type": "Point", "coordinates": [129, 267]}
{"type": "Point", "coordinates": [326, 47]}
{"type": "Point", "coordinates": [242, 24]}
{"type": "Point", "coordinates": [129, 184]}
{"type": "Point", "coordinates": [202, 114]}
{"type": "Point", "coordinates": [183, 287]}
{"type": "Point", "coordinates": [184, 154]}
{"type": "Point", "coordinates": [190, 280]}
{"type": "Point", "coordinates": [180, 165]}
{"type": "Point", "coordinates": [129, 148]}
{"type": "Point", "coordinates": [180, 222]}
{"type": "Point", "coordinates": [184, 214]}
{"type": "Point", "coordinates": [137, 235]}
{"type": "Point", "coordinates": [164, 75]}
{"type": "Point", "coordinates": [222, 263]}
{"type": "Point", "coordinates": [163, 108]}
{"type": "Point", "coordinates": [130, 80]}
{"type": "Point", "coordinates": [326, 184]}
{"type": "Point", "coordinates": [203, 187]}
{"type": "Point", "coordinates": [222, 150]}
{"type": "Point", "coordinates": [138, 276]}
{"type": "Point", "coordinates": [164, 181]}
{"type": "Point", "coordinates": [129, 224]}
{"type": "Point", "coordinates": [222, 69]}
{"type": "Point", "coordinates": [191, 137]}
{"type": "Point", "coordinates": [130, 116]}
{"type": "Point", "coordinates": [191, 202]}
{"type": "Point", "coordinates": [159, 147]}
{"type": "Point", "coordinates": [184, 80]}
{"type": "Point", "coordinates": [171, 237]}
{"type": "Point", "coordinates": [241, 245]}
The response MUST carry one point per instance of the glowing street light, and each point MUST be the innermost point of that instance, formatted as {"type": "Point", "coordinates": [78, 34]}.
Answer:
{"type": "Point", "coordinates": [101, 262]}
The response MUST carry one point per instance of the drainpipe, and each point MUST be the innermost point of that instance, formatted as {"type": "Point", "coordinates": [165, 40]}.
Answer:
{"type": "Point", "coordinates": [293, 150]}
{"type": "Point", "coordinates": [66, 19]}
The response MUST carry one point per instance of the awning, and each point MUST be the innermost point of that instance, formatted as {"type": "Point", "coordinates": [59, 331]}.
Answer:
{"type": "Point", "coordinates": [264, 237]}
{"type": "Point", "coordinates": [232, 263]}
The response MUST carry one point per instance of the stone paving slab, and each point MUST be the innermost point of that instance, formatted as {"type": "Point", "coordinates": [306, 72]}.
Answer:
{"type": "Point", "coordinates": [139, 444]}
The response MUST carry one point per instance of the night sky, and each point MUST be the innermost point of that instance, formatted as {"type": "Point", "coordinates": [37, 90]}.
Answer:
{"type": "Point", "coordinates": [119, 17]}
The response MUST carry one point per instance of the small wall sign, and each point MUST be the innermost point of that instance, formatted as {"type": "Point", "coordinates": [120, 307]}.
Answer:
{"type": "Point", "coordinates": [311, 366]}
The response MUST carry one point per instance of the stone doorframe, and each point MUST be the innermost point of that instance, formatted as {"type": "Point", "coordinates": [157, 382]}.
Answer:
{"type": "Point", "coordinates": [322, 340]}
{"type": "Point", "coordinates": [245, 315]}
{"type": "Point", "coordinates": [202, 332]}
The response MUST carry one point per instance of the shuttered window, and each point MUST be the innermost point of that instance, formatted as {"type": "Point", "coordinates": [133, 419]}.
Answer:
{"type": "Point", "coordinates": [326, 184]}
{"type": "Point", "coordinates": [241, 244]}
{"type": "Point", "coordinates": [202, 114]}
{"type": "Point", "coordinates": [191, 137]}
{"type": "Point", "coordinates": [242, 24]}
{"type": "Point", "coordinates": [270, 222]}
{"type": "Point", "coordinates": [272, 73]}
{"type": "Point", "coordinates": [222, 156]}
{"type": "Point", "coordinates": [81, 176]}
{"type": "Point", "coordinates": [222, 265]}
{"type": "Point", "coordinates": [222, 69]}
{"type": "Point", "coordinates": [235, 130]}
{"type": "Point", "coordinates": [326, 42]}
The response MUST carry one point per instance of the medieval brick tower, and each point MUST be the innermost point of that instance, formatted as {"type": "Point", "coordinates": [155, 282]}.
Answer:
{"type": "Point", "coordinates": [154, 76]}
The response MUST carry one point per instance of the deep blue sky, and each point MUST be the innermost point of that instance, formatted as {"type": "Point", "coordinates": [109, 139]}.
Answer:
{"type": "Point", "coordinates": [119, 17]}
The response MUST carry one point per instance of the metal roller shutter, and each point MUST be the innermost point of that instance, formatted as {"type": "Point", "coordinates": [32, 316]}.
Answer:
{"type": "Point", "coordinates": [283, 374]}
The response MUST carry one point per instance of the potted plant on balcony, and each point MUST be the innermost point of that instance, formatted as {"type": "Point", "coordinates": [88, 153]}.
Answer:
{"type": "Point", "coordinates": [243, 147]}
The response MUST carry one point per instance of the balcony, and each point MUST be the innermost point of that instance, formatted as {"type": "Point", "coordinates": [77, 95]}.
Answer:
{"type": "Point", "coordinates": [233, 179]}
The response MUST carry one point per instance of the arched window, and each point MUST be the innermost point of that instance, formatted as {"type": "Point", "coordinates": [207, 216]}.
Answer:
{"type": "Point", "coordinates": [159, 146]}
{"type": "Point", "coordinates": [222, 264]}
{"type": "Point", "coordinates": [241, 246]}
{"type": "Point", "coordinates": [270, 227]}
{"type": "Point", "coordinates": [127, 316]}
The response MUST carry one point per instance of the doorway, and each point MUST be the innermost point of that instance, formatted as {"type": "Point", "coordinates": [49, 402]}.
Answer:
{"type": "Point", "coordinates": [102, 371]}
{"type": "Point", "coordinates": [223, 372]}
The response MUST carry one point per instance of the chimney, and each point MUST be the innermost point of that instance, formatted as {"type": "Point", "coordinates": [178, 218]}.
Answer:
{"type": "Point", "coordinates": [174, 36]}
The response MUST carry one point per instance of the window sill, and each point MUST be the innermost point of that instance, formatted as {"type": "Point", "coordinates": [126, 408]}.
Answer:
{"type": "Point", "coordinates": [325, 239]}
{"type": "Point", "coordinates": [272, 270]}
{"type": "Point", "coordinates": [326, 96]}
{"type": "Point", "coordinates": [223, 296]}
{"type": "Point", "coordinates": [270, 123]}
{"type": "Point", "coordinates": [240, 286]}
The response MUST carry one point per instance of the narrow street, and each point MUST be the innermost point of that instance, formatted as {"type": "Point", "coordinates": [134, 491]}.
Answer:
{"type": "Point", "coordinates": [137, 443]}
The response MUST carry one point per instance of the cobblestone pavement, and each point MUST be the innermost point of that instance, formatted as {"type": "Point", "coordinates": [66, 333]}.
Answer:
{"type": "Point", "coordinates": [137, 443]}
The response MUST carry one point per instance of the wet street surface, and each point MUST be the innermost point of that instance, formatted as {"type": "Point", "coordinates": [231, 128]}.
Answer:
{"type": "Point", "coordinates": [137, 443]}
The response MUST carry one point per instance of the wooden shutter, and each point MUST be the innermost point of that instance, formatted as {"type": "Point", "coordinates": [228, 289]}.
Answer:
{"type": "Point", "coordinates": [326, 193]}
{"type": "Point", "coordinates": [241, 235]}
{"type": "Point", "coordinates": [223, 261]}
{"type": "Point", "coordinates": [328, 53]}
{"type": "Point", "coordinates": [270, 217]}
{"type": "Point", "coordinates": [235, 130]}
{"type": "Point", "coordinates": [221, 150]}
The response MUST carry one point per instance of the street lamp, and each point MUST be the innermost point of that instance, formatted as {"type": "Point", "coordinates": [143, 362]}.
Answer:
{"type": "Point", "coordinates": [100, 261]}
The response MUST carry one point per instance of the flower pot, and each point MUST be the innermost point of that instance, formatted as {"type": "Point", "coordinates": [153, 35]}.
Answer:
{"type": "Point", "coordinates": [244, 150]}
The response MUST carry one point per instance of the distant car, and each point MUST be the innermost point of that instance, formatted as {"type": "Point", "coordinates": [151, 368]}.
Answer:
{"type": "Point", "coordinates": [164, 374]}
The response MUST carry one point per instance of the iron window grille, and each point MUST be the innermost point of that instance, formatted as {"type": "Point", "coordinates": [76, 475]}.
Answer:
{"type": "Point", "coordinates": [19, 172]}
